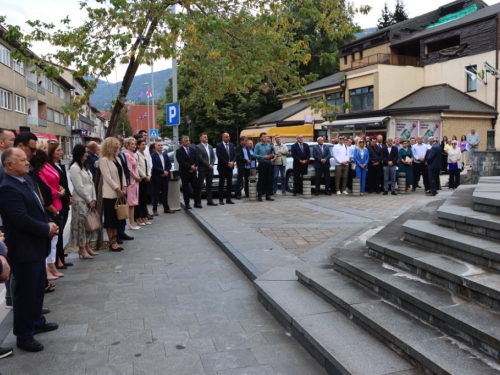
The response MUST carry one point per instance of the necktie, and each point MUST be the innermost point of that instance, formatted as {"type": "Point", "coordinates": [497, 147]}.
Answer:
{"type": "Point", "coordinates": [321, 150]}
{"type": "Point", "coordinates": [227, 148]}
{"type": "Point", "coordinates": [301, 148]}
{"type": "Point", "coordinates": [187, 150]}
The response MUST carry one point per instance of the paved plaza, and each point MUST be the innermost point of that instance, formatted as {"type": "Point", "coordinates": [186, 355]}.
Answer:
{"type": "Point", "coordinates": [174, 303]}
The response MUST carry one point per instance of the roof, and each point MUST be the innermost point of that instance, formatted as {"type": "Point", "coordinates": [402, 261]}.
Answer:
{"type": "Point", "coordinates": [443, 95]}
{"type": "Point", "coordinates": [333, 80]}
{"type": "Point", "coordinates": [86, 120]}
{"type": "Point", "coordinates": [282, 114]}
{"type": "Point", "coordinates": [105, 115]}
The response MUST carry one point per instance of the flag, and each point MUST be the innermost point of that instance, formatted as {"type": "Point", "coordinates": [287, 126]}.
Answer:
{"type": "Point", "coordinates": [141, 94]}
{"type": "Point", "coordinates": [478, 73]}
{"type": "Point", "coordinates": [89, 105]}
{"type": "Point", "coordinates": [490, 69]}
{"type": "Point", "coordinates": [472, 75]}
{"type": "Point", "coordinates": [148, 93]}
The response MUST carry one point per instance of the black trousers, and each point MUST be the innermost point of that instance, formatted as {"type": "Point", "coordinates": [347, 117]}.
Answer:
{"type": "Point", "coordinates": [420, 169]}
{"type": "Point", "coordinates": [298, 173]}
{"type": "Point", "coordinates": [264, 183]}
{"type": "Point", "coordinates": [433, 179]}
{"type": "Point", "coordinates": [190, 179]}
{"type": "Point", "coordinates": [325, 171]}
{"type": "Point", "coordinates": [454, 179]}
{"type": "Point", "coordinates": [141, 210]}
{"type": "Point", "coordinates": [243, 175]}
{"type": "Point", "coordinates": [373, 178]}
{"type": "Point", "coordinates": [207, 175]}
{"type": "Point", "coordinates": [225, 178]}
{"type": "Point", "coordinates": [28, 296]}
{"type": "Point", "coordinates": [63, 218]}
{"type": "Point", "coordinates": [160, 186]}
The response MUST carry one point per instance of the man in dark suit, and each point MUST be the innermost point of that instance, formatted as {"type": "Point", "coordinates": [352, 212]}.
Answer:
{"type": "Point", "coordinates": [322, 155]}
{"type": "Point", "coordinates": [4, 276]}
{"type": "Point", "coordinates": [433, 162]}
{"type": "Point", "coordinates": [390, 157]}
{"type": "Point", "coordinates": [28, 231]}
{"type": "Point", "coordinates": [160, 177]}
{"type": "Point", "coordinates": [242, 162]}
{"type": "Point", "coordinates": [206, 159]}
{"type": "Point", "coordinates": [188, 161]}
{"type": "Point", "coordinates": [374, 167]}
{"type": "Point", "coordinates": [92, 157]}
{"type": "Point", "coordinates": [226, 156]}
{"type": "Point", "coordinates": [301, 155]}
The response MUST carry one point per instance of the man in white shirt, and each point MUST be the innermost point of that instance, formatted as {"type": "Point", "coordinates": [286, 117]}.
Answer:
{"type": "Point", "coordinates": [419, 168]}
{"type": "Point", "coordinates": [341, 156]}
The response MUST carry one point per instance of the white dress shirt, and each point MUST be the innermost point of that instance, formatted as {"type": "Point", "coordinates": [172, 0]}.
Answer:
{"type": "Point", "coordinates": [340, 154]}
{"type": "Point", "coordinates": [207, 149]}
{"type": "Point", "coordinates": [419, 151]}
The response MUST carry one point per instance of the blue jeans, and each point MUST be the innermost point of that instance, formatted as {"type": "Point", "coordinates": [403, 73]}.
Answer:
{"type": "Point", "coordinates": [279, 169]}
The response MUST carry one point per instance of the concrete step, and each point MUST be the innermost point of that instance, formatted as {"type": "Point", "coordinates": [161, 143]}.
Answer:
{"type": "Point", "coordinates": [477, 250]}
{"type": "Point", "coordinates": [331, 338]}
{"type": "Point", "coordinates": [426, 346]}
{"type": "Point", "coordinates": [457, 212]}
{"type": "Point", "coordinates": [462, 318]}
{"type": "Point", "coordinates": [486, 196]}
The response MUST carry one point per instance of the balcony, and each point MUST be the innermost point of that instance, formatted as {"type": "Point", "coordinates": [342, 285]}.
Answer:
{"type": "Point", "coordinates": [386, 58]}
{"type": "Point", "coordinates": [32, 85]}
{"type": "Point", "coordinates": [40, 89]}
{"type": "Point", "coordinates": [42, 122]}
{"type": "Point", "coordinates": [32, 120]}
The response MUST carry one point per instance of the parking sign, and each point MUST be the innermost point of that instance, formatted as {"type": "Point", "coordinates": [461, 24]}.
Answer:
{"type": "Point", "coordinates": [173, 114]}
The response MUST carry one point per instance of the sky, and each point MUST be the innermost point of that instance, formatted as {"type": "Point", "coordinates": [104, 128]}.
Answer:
{"type": "Point", "coordinates": [19, 11]}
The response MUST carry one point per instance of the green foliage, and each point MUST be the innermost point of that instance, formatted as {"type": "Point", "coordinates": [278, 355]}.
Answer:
{"type": "Point", "coordinates": [400, 14]}
{"type": "Point", "coordinates": [387, 18]}
{"type": "Point", "coordinates": [124, 128]}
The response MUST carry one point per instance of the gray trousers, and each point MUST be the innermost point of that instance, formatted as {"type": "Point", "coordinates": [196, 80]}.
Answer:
{"type": "Point", "coordinates": [207, 175]}
{"type": "Point", "coordinates": [341, 171]}
{"type": "Point", "coordinates": [390, 172]}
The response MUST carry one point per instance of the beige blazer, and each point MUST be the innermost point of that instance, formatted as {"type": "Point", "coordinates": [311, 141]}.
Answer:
{"type": "Point", "coordinates": [83, 186]}
{"type": "Point", "coordinates": [110, 178]}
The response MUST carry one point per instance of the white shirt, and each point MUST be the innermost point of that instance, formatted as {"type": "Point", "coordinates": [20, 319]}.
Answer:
{"type": "Point", "coordinates": [340, 154]}
{"type": "Point", "coordinates": [207, 149]}
{"type": "Point", "coordinates": [162, 160]}
{"type": "Point", "coordinates": [419, 151]}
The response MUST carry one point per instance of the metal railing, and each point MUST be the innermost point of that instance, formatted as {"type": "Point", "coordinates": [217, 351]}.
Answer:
{"type": "Point", "coordinates": [386, 58]}
{"type": "Point", "coordinates": [32, 120]}
{"type": "Point", "coordinates": [40, 89]}
{"type": "Point", "coordinates": [32, 85]}
{"type": "Point", "coordinates": [42, 122]}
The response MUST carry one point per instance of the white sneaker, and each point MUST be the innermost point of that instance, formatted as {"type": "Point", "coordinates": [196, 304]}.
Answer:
{"type": "Point", "coordinates": [338, 192]}
{"type": "Point", "coordinates": [345, 192]}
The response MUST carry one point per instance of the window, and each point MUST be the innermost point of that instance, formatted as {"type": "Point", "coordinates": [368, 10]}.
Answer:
{"type": "Point", "coordinates": [361, 54]}
{"type": "Point", "coordinates": [62, 94]}
{"type": "Point", "coordinates": [50, 114]}
{"type": "Point", "coordinates": [62, 119]}
{"type": "Point", "coordinates": [442, 44]}
{"type": "Point", "coordinates": [345, 60]}
{"type": "Point", "coordinates": [5, 99]}
{"type": "Point", "coordinates": [56, 90]}
{"type": "Point", "coordinates": [471, 82]}
{"type": "Point", "coordinates": [361, 99]}
{"type": "Point", "coordinates": [48, 85]}
{"type": "Point", "coordinates": [337, 98]}
{"type": "Point", "coordinates": [4, 55]}
{"type": "Point", "coordinates": [19, 67]}
{"type": "Point", "coordinates": [57, 117]}
{"type": "Point", "coordinates": [20, 104]}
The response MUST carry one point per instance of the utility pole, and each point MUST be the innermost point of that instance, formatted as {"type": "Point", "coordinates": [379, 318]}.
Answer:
{"type": "Point", "coordinates": [147, 83]}
{"type": "Point", "coordinates": [175, 99]}
{"type": "Point", "coordinates": [153, 118]}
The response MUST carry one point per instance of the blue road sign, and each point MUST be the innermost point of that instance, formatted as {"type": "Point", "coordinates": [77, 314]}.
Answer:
{"type": "Point", "coordinates": [173, 114]}
{"type": "Point", "coordinates": [153, 133]}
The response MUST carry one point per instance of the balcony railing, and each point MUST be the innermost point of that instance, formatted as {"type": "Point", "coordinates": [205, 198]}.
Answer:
{"type": "Point", "coordinates": [40, 89]}
{"type": "Point", "coordinates": [31, 84]}
{"type": "Point", "coordinates": [386, 58]}
{"type": "Point", "coordinates": [32, 120]}
{"type": "Point", "coordinates": [42, 122]}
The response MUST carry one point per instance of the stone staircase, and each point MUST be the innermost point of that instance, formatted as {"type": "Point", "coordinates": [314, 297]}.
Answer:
{"type": "Point", "coordinates": [420, 296]}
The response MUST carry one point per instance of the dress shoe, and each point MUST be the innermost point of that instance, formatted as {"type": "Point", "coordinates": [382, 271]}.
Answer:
{"type": "Point", "coordinates": [430, 194]}
{"type": "Point", "coordinates": [221, 203]}
{"type": "Point", "coordinates": [155, 213]}
{"type": "Point", "coordinates": [238, 197]}
{"type": "Point", "coordinates": [259, 199]}
{"type": "Point", "coordinates": [328, 193]}
{"type": "Point", "coordinates": [394, 193]}
{"type": "Point", "coordinates": [316, 194]}
{"type": "Point", "coordinates": [45, 310]}
{"type": "Point", "coordinates": [294, 194]}
{"type": "Point", "coordinates": [269, 199]}
{"type": "Point", "coordinates": [414, 189]}
{"type": "Point", "coordinates": [150, 217]}
{"type": "Point", "coordinates": [169, 211]}
{"type": "Point", "coordinates": [385, 193]}
{"type": "Point", "coordinates": [30, 345]}
{"type": "Point", "coordinates": [119, 241]}
{"type": "Point", "coordinates": [229, 201]}
{"type": "Point", "coordinates": [68, 264]}
{"type": "Point", "coordinates": [126, 237]}
{"type": "Point", "coordinates": [198, 205]}
{"type": "Point", "coordinates": [47, 327]}
{"type": "Point", "coordinates": [283, 193]}
{"type": "Point", "coordinates": [188, 207]}
{"type": "Point", "coordinates": [212, 203]}
{"type": "Point", "coordinates": [62, 267]}
{"type": "Point", "coordinates": [5, 352]}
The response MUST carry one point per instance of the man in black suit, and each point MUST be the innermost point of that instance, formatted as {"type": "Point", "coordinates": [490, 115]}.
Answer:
{"type": "Point", "coordinates": [160, 177]}
{"type": "Point", "coordinates": [390, 155]}
{"type": "Point", "coordinates": [227, 157]}
{"type": "Point", "coordinates": [375, 167]}
{"type": "Point", "coordinates": [433, 162]}
{"type": "Point", "coordinates": [28, 231]}
{"type": "Point", "coordinates": [206, 160]}
{"type": "Point", "coordinates": [242, 161]}
{"type": "Point", "coordinates": [322, 155]}
{"type": "Point", "coordinates": [188, 161]}
{"type": "Point", "coordinates": [301, 155]}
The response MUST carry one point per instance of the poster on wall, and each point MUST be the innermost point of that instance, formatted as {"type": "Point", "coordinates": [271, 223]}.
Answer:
{"type": "Point", "coordinates": [406, 129]}
{"type": "Point", "coordinates": [430, 129]}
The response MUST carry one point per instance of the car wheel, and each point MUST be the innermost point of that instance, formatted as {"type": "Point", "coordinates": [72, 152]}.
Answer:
{"type": "Point", "coordinates": [289, 181]}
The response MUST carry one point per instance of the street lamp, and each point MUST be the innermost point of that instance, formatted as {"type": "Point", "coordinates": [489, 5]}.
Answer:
{"type": "Point", "coordinates": [147, 83]}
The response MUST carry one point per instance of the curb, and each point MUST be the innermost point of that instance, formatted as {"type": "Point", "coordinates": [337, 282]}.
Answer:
{"type": "Point", "coordinates": [241, 262]}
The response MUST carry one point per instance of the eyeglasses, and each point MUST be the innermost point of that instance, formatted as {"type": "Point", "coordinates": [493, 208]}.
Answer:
{"type": "Point", "coordinates": [33, 149]}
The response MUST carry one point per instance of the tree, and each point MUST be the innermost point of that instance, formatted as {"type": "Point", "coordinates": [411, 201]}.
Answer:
{"type": "Point", "coordinates": [387, 18]}
{"type": "Point", "coordinates": [400, 14]}
{"type": "Point", "coordinates": [124, 127]}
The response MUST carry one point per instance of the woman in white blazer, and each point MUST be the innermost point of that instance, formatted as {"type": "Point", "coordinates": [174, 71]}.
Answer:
{"type": "Point", "coordinates": [84, 196]}
{"type": "Point", "coordinates": [114, 186]}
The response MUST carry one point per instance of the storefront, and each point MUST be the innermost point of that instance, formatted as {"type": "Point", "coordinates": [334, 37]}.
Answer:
{"type": "Point", "coordinates": [372, 126]}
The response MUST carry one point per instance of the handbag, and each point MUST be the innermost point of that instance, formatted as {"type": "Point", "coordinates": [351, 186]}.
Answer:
{"type": "Point", "coordinates": [121, 207]}
{"type": "Point", "coordinates": [353, 166]}
{"type": "Point", "coordinates": [453, 166]}
{"type": "Point", "coordinates": [92, 220]}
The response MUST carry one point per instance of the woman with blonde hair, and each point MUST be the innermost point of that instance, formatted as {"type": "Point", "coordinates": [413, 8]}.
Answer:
{"type": "Point", "coordinates": [42, 144]}
{"type": "Point", "coordinates": [113, 187]}
{"type": "Point", "coordinates": [135, 178]}
{"type": "Point", "coordinates": [454, 165]}
{"type": "Point", "coordinates": [361, 159]}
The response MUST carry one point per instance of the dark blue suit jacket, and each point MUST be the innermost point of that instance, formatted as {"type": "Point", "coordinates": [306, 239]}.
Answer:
{"type": "Point", "coordinates": [318, 156]}
{"type": "Point", "coordinates": [91, 159]}
{"type": "Point", "coordinates": [2, 252]}
{"type": "Point", "coordinates": [434, 157]}
{"type": "Point", "coordinates": [157, 168]}
{"type": "Point", "coordinates": [222, 158]}
{"type": "Point", "coordinates": [25, 222]}
{"type": "Point", "coordinates": [392, 156]}
{"type": "Point", "coordinates": [298, 155]}
{"type": "Point", "coordinates": [186, 161]}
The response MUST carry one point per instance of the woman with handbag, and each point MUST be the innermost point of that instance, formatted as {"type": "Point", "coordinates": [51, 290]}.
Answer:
{"type": "Point", "coordinates": [454, 165]}
{"type": "Point", "coordinates": [84, 196]}
{"type": "Point", "coordinates": [113, 190]}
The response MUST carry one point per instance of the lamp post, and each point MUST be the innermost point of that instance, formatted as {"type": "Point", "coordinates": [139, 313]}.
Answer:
{"type": "Point", "coordinates": [147, 83]}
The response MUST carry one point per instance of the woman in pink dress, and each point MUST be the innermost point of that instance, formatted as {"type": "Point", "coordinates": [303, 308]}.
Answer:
{"type": "Point", "coordinates": [135, 178]}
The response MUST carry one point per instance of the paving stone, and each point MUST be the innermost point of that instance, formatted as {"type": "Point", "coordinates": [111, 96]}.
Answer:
{"type": "Point", "coordinates": [209, 330]}
{"type": "Point", "coordinates": [228, 360]}
{"type": "Point", "coordinates": [187, 347]}
{"type": "Point", "coordinates": [239, 341]}
{"type": "Point", "coordinates": [253, 370]}
{"type": "Point", "coordinates": [187, 365]}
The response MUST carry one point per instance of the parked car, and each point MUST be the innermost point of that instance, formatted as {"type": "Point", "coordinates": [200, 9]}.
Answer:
{"type": "Point", "coordinates": [310, 168]}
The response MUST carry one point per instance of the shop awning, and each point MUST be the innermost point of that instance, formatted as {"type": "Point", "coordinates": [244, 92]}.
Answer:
{"type": "Point", "coordinates": [292, 131]}
{"type": "Point", "coordinates": [254, 133]}
{"type": "Point", "coordinates": [367, 121]}
{"type": "Point", "coordinates": [48, 137]}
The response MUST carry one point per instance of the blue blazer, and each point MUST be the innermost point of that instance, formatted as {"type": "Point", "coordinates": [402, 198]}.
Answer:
{"type": "Point", "coordinates": [298, 155]}
{"type": "Point", "coordinates": [222, 158]}
{"type": "Point", "coordinates": [25, 222]}
{"type": "Point", "coordinates": [357, 157]}
{"type": "Point", "coordinates": [318, 156]}
{"type": "Point", "coordinates": [186, 161]}
{"type": "Point", "coordinates": [434, 157]}
{"type": "Point", "coordinates": [157, 168]}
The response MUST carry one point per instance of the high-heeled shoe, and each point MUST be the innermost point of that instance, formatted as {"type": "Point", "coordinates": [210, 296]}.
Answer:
{"type": "Point", "coordinates": [92, 253]}
{"type": "Point", "coordinates": [81, 256]}
{"type": "Point", "coordinates": [134, 228]}
{"type": "Point", "coordinates": [112, 242]}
